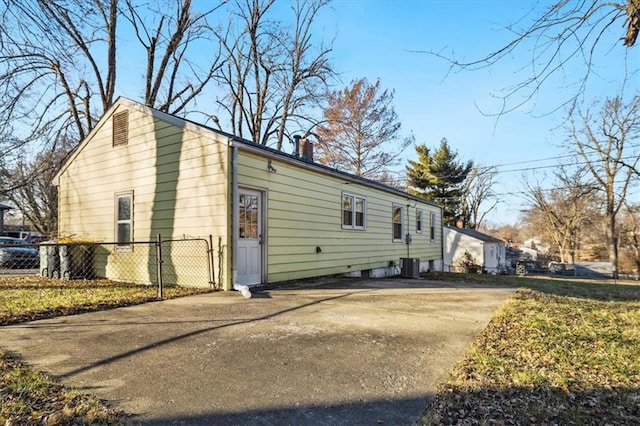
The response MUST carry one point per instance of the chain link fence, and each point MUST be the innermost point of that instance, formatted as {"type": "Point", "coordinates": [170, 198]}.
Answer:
{"type": "Point", "coordinates": [186, 262]}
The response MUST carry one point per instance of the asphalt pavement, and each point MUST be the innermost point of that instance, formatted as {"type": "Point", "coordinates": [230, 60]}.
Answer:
{"type": "Point", "coordinates": [343, 352]}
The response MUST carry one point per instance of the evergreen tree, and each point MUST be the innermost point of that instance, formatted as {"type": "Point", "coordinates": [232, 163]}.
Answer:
{"type": "Point", "coordinates": [440, 178]}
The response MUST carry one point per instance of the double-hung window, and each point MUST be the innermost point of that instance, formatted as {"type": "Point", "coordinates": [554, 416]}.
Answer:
{"type": "Point", "coordinates": [419, 221]}
{"type": "Point", "coordinates": [354, 210]}
{"type": "Point", "coordinates": [397, 223]}
{"type": "Point", "coordinates": [124, 221]}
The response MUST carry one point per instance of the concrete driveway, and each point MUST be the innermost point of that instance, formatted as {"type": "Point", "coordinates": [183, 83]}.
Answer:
{"type": "Point", "coordinates": [342, 352]}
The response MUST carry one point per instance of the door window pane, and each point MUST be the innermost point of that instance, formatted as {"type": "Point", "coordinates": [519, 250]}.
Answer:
{"type": "Point", "coordinates": [248, 219]}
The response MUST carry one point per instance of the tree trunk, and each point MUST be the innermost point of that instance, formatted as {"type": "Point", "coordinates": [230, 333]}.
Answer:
{"type": "Point", "coordinates": [612, 242]}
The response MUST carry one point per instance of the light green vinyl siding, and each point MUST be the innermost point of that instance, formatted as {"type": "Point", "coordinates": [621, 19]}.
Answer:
{"type": "Point", "coordinates": [305, 212]}
{"type": "Point", "coordinates": [178, 179]}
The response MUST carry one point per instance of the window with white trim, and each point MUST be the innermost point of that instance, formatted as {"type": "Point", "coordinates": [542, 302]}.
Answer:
{"type": "Point", "coordinates": [397, 223]}
{"type": "Point", "coordinates": [124, 221]}
{"type": "Point", "coordinates": [418, 221]}
{"type": "Point", "coordinates": [432, 226]}
{"type": "Point", "coordinates": [354, 211]}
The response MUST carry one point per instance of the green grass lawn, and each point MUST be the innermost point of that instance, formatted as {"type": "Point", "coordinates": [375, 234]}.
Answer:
{"type": "Point", "coordinates": [558, 352]}
{"type": "Point", "coordinates": [28, 397]}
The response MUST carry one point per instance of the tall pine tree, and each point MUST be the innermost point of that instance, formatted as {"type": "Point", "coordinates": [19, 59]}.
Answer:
{"type": "Point", "coordinates": [440, 178]}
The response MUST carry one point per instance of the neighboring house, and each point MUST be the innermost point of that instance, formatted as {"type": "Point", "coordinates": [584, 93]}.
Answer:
{"type": "Point", "coordinates": [487, 251]}
{"type": "Point", "coordinates": [533, 249]}
{"type": "Point", "coordinates": [3, 208]}
{"type": "Point", "coordinates": [279, 217]}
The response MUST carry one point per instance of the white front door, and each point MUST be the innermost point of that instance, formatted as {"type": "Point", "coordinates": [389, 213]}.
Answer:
{"type": "Point", "coordinates": [249, 242]}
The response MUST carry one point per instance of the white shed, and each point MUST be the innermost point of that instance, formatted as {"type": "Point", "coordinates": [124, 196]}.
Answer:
{"type": "Point", "coordinates": [485, 250]}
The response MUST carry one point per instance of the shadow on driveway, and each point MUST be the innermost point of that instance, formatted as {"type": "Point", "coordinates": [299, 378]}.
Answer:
{"type": "Point", "coordinates": [342, 352]}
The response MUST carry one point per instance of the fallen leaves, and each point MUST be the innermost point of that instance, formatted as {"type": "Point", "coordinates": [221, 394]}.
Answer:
{"type": "Point", "coordinates": [550, 356]}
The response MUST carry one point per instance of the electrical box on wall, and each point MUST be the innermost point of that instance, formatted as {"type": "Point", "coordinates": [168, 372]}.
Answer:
{"type": "Point", "coordinates": [410, 267]}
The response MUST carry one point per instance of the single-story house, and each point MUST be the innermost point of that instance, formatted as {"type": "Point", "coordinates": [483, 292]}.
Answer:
{"type": "Point", "coordinates": [470, 245]}
{"type": "Point", "coordinates": [533, 248]}
{"type": "Point", "coordinates": [277, 216]}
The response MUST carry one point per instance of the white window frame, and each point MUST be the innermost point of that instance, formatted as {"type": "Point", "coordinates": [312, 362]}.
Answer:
{"type": "Point", "coordinates": [432, 226]}
{"type": "Point", "coordinates": [393, 223]}
{"type": "Point", "coordinates": [354, 201]}
{"type": "Point", "coordinates": [419, 221]}
{"type": "Point", "coordinates": [123, 247]}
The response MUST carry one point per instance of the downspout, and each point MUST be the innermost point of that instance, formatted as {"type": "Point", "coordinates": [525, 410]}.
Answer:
{"type": "Point", "coordinates": [442, 241]}
{"type": "Point", "coordinates": [235, 214]}
{"type": "Point", "coordinates": [235, 223]}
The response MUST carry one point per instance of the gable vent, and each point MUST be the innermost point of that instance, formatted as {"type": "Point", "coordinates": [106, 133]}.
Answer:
{"type": "Point", "coordinates": [120, 128]}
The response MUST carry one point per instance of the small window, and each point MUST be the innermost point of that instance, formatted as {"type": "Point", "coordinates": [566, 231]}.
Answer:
{"type": "Point", "coordinates": [419, 221]}
{"type": "Point", "coordinates": [397, 223]}
{"type": "Point", "coordinates": [353, 211]}
{"type": "Point", "coordinates": [124, 221]}
{"type": "Point", "coordinates": [432, 226]}
{"type": "Point", "coordinates": [120, 128]}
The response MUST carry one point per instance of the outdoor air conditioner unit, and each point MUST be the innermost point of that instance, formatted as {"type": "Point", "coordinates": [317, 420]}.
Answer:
{"type": "Point", "coordinates": [410, 267]}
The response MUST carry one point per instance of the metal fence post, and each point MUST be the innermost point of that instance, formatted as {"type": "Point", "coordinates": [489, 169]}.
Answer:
{"type": "Point", "coordinates": [159, 266]}
{"type": "Point", "coordinates": [212, 272]}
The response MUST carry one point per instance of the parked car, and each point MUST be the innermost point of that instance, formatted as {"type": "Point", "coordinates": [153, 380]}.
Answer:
{"type": "Point", "coordinates": [16, 253]}
{"type": "Point", "coordinates": [560, 268]}
{"type": "Point", "coordinates": [36, 239]}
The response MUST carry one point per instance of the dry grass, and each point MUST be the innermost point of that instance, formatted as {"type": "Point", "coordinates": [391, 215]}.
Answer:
{"type": "Point", "coordinates": [559, 352]}
{"type": "Point", "coordinates": [28, 397]}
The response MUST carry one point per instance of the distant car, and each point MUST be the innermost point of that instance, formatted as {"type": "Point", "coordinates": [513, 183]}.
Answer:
{"type": "Point", "coordinates": [560, 268]}
{"type": "Point", "coordinates": [36, 239]}
{"type": "Point", "coordinates": [17, 253]}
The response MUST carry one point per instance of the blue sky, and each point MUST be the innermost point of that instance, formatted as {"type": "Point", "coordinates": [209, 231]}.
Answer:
{"type": "Point", "coordinates": [382, 39]}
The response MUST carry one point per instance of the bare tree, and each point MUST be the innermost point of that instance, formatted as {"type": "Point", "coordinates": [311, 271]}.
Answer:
{"type": "Point", "coordinates": [49, 75]}
{"type": "Point", "coordinates": [362, 134]}
{"type": "Point", "coordinates": [563, 211]}
{"type": "Point", "coordinates": [167, 39]}
{"type": "Point", "coordinates": [478, 190]}
{"type": "Point", "coordinates": [604, 139]}
{"type": "Point", "coordinates": [29, 186]}
{"type": "Point", "coordinates": [566, 36]}
{"type": "Point", "coordinates": [274, 71]}
{"type": "Point", "coordinates": [59, 63]}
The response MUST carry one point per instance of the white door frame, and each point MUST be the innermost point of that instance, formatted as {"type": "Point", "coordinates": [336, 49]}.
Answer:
{"type": "Point", "coordinates": [261, 234]}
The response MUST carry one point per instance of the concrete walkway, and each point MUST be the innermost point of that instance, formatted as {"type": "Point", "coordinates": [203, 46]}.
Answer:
{"type": "Point", "coordinates": [345, 352]}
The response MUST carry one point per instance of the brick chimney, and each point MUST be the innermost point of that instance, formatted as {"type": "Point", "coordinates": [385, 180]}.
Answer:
{"type": "Point", "coordinates": [306, 150]}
